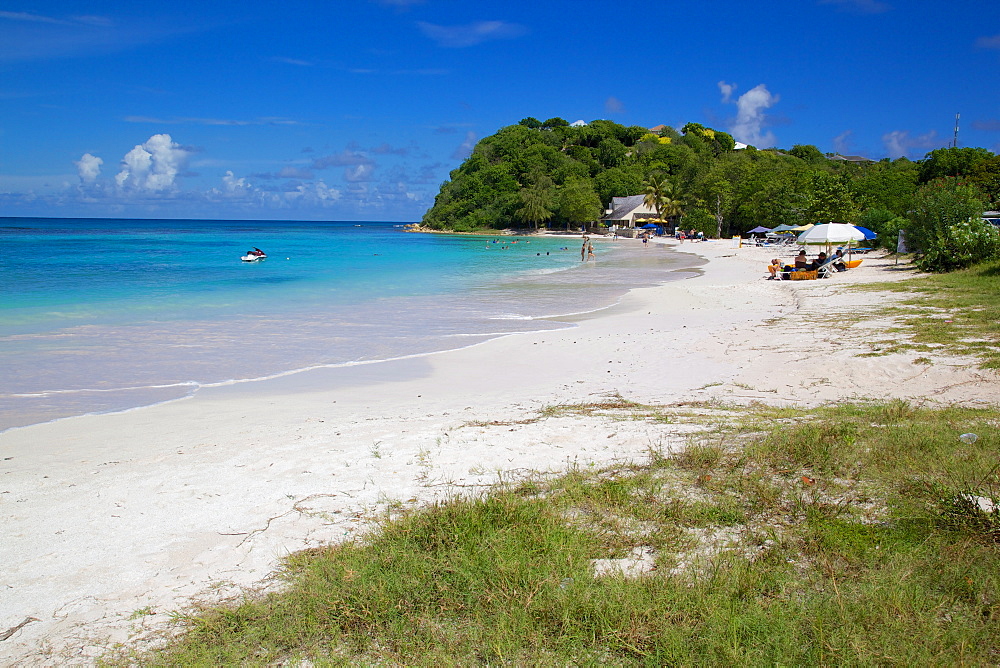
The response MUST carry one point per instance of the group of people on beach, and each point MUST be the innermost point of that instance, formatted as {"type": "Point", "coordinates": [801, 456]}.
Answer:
{"type": "Point", "coordinates": [803, 263]}
{"type": "Point", "coordinates": [694, 235]}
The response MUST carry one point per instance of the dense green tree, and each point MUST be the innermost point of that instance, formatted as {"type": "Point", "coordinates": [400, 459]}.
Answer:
{"type": "Point", "coordinates": [885, 185]}
{"type": "Point", "coordinates": [611, 153]}
{"type": "Point", "coordinates": [951, 162]}
{"type": "Point", "coordinates": [986, 176]}
{"type": "Point", "coordinates": [618, 182]}
{"type": "Point", "coordinates": [578, 203]}
{"type": "Point", "coordinates": [830, 200]}
{"type": "Point", "coordinates": [699, 220]}
{"type": "Point", "coordinates": [531, 122]}
{"type": "Point", "coordinates": [807, 152]}
{"type": "Point", "coordinates": [537, 200]}
{"type": "Point", "coordinates": [555, 123]}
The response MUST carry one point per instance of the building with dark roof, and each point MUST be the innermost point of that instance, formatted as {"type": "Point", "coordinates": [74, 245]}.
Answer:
{"type": "Point", "coordinates": [850, 158]}
{"type": "Point", "coordinates": [627, 211]}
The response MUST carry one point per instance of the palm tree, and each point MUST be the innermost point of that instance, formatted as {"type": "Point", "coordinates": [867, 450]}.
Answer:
{"type": "Point", "coordinates": [653, 194]}
{"type": "Point", "coordinates": [664, 196]}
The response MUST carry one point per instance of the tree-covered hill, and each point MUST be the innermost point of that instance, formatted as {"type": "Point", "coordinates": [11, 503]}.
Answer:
{"type": "Point", "coordinates": [552, 174]}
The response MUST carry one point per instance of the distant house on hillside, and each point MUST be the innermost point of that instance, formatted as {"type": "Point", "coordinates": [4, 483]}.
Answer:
{"type": "Point", "coordinates": [628, 211]}
{"type": "Point", "coordinates": [850, 158]}
{"type": "Point", "coordinates": [578, 124]}
{"type": "Point", "coordinates": [657, 129]}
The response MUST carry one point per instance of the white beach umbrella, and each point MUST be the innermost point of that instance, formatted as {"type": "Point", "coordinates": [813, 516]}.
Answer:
{"type": "Point", "coordinates": [831, 233]}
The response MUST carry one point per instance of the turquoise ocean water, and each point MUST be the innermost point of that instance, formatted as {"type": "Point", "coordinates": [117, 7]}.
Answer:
{"type": "Point", "coordinates": [101, 315]}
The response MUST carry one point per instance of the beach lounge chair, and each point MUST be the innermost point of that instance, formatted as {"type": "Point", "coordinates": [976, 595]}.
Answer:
{"type": "Point", "coordinates": [827, 269]}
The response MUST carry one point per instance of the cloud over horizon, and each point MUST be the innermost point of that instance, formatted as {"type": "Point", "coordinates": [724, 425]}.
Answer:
{"type": "Point", "coordinates": [152, 166]}
{"type": "Point", "coordinates": [727, 91]}
{"type": "Point", "coordinates": [470, 34]}
{"type": "Point", "coordinates": [748, 126]}
{"type": "Point", "coordinates": [149, 181]}
{"type": "Point", "coordinates": [89, 168]}
{"type": "Point", "coordinates": [899, 143]}
{"type": "Point", "coordinates": [464, 149]}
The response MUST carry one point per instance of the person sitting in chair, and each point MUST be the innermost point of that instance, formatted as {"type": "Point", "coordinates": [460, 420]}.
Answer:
{"type": "Point", "coordinates": [839, 263]}
{"type": "Point", "coordinates": [801, 261]}
{"type": "Point", "coordinates": [817, 263]}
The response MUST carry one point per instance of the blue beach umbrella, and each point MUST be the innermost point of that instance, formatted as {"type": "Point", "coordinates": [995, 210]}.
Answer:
{"type": "Point", "coordinates": [868, 233]}
{"type": "Point", "coordinates": [760, 229]}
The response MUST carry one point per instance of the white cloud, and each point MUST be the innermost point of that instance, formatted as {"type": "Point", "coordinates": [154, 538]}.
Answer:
{"type": "Point", "coordinates": [841, 143]}
{"type": "Point", "coordinates": [359, 173]}
{"type": "Point", "coordinates": [88, 167]}
{"type": "Point", "coordinates": [727, 91]}
{"type": "Point", "coordinates": [152, 166]}
{"type": "Point", "coordinates": [472, 33]}
{"type": "Point", "coordinates": [899, 142]}
{"type": "Point", "coordinates": [464, 150]}
{"type": "Point", "coordinates": [325, 193]}
{"type": "Point", "coordinates": [232, 185]}
{"type": "Point", "coordinates": [30, 18]}
{"type": "Point", "coordinates": [750, 117]}
{"type": "Point", "coordinates": [292, 61]}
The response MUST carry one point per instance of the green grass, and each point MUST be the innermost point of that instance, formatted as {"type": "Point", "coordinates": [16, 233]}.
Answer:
{"type": "Point", "coordinates": [958, 312]}
{"type": "Point", "coordinates": [782, 537]}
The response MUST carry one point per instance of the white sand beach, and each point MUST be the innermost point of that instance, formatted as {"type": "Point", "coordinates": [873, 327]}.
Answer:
{"type": "Point", "coordinates": [110, 522]}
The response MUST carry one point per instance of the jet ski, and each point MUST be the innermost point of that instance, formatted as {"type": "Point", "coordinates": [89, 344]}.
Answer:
{"type": "Point", "coordinates": [255, 255]}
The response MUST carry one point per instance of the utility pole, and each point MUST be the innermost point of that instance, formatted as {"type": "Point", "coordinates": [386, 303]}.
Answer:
{"type": "Point", "coordinates": [954, 142]}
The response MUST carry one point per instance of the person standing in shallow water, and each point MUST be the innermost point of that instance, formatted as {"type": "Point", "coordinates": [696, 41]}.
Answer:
{"type": "Point", "coordinates": [590, 252]}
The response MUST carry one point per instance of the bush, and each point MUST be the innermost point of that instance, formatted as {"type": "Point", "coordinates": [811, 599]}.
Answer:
{"type": "Point", "coordinates": [961, 245]}
{"type": "Point", "coordinates": [701, 221]}
{"type": "Point", "coordinates": [945, 227]}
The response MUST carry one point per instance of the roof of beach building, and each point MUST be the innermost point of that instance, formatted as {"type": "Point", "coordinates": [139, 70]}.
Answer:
{"type": "Point", "coordinates": [578, 124]}
{"type": "Point", "coordinates": [850, 158]}
{"type": "Point", "coordinates": [621, 207]}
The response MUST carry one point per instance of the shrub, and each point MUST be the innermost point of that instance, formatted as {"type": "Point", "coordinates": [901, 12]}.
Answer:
{"type": "Point", "coordinates": [700, 220]}
{"type": "Point", "coordinates": [945, 227]}
{"type": "Point", "coordinates": [961, 245]}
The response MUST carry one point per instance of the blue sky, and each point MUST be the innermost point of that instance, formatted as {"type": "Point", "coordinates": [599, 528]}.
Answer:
{"type": "Point", "coordinates": [358, 109]}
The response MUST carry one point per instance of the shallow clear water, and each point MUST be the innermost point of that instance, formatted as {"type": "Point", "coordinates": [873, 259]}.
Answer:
{"type": "Point", "coordinates": [101, 315]}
